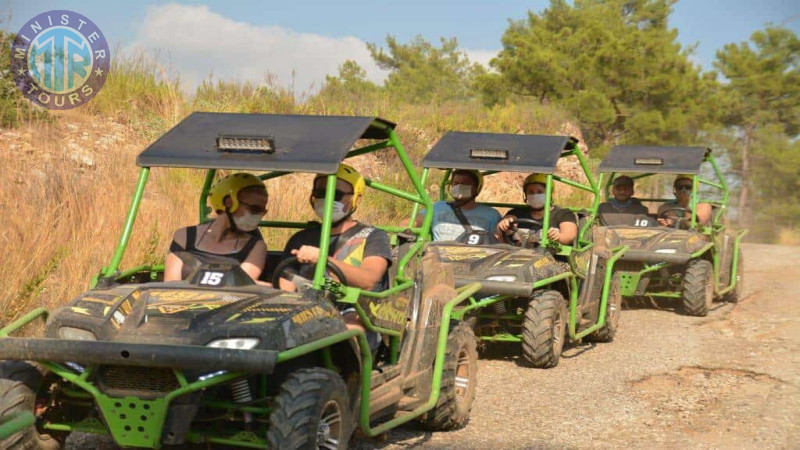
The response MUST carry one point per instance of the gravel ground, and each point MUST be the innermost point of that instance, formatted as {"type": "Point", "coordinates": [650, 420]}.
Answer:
{"type": "Point", "coordinates": [731, 379]}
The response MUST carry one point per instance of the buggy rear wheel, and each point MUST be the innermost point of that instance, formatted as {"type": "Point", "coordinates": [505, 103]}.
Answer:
{"type": "Point", "coordinates": [543, 329]}
{"type": "Point", "coordinates": [698, 288]}
{"type": "Point", "coordinates": [311, 411]}
{"type": "Point", "coordinates": [459, 375]}
{"type": "Point", "coordinates": [15, 398]}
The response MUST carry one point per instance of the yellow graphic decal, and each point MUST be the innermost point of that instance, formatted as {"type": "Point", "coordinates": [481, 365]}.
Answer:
{"type": "Point", "coordinates": [387, 311]}
{"type": "Point", "coordinates": [79, 310]}
{"type": "Point", "coordinates": [125, 307]}
{"type": "Point", "coordinates": [99, 300]}
{"type": "Point", "coordinates": [541, 263]}
{"type": "Point", "coordinates": [304, 316]}
{"type": "Point", "coordinates": [185, 296]}
{"type": "Point", "coordinates": [259, 320]}
{"type": "Point", "coordinates": [176, 308]}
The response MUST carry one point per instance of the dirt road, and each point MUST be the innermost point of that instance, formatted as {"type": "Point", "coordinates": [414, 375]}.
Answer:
{"type": "Point", "coordinates": [729, 380]}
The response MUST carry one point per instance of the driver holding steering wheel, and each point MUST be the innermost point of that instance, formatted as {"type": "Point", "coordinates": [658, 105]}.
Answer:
{"type": "Point", "coordinates": [563, 226]}
{"type": "Point", "coordinates": [669, 212]}
{"type": "Point", "coordinates": [361, 252]}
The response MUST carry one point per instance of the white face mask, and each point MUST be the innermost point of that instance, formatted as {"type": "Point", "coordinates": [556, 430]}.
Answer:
{"type": "Point", "coordinates": [461, 191]}
{"type": "Point", "coordinates": [247, 222]}
{"type": "Point", "coordinates": [535, 201]}
{"type": "Point", "coordinates": [338, 209]}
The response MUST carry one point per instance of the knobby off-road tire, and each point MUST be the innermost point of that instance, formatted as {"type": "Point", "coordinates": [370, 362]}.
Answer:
{"type": "Point", "coordinates": [459, 380]}
{"type": "Point", "coordinates": [698, 287]}
{"type": "Point", "coordinates": [15, 398]}
{"type": "Point", "coordinates": [312, 410]}
{"type": "Point", "coordinates": [613, 313]}
{"type": "Point", "coordinates": [29, 373]}
{"type": "Point", "coordinates": [543, 329]}
{"type": "Point", "coordinates": [738, 292]}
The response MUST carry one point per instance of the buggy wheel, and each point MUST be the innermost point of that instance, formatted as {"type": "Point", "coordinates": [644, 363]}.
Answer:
{"type": "Point", "coordinates": [459, 379]}
{"type": "Point", "coordinates": [737, 293]}
{"type": "Point", "coordinates": [698, 287]}
{"type": "Point", "coordinates": [15, 398]}
{"type": "Point", "coordinates": [543, 329]}
{"type": "Point", "coordinates": [29, 374]}
{"type": "Point", "coordinates": [613, 313]}
{"type": "Point", "coordinates": [311, 411]}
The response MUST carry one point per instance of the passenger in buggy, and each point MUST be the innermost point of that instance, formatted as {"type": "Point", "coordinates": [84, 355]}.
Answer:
{"type": "Point", "coordinates": [623, 208]}
{"type": "Point", "coordinates": [463, 216]}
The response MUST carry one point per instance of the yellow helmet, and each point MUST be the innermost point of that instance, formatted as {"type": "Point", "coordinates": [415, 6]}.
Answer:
{"type": "Point", "coordinates": [476, 173]}
{"type": "Point", "coordinates": [231, 185]}
{"type": "Point", "coordinates": [350, 175]}
{"type": "Point", "coordinates": [683, 176]}
{"type": "Point", "coordinates": [534, 178]}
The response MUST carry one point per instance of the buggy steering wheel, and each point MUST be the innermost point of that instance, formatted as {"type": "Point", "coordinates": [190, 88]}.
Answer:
{"type": "Point", "coordinates": [678, 220]}
{"type": "Point", "coordinates": [294, 268]}
{"type": "Point", "coordinates": [527, 224]}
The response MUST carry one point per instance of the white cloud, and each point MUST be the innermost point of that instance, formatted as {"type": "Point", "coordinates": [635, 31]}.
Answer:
{"type": "Point", "coordinates": [197, 42]}
{"type": "Point", "coordinates": [481, 56]}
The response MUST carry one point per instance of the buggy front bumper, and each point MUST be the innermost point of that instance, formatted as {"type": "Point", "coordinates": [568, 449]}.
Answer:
{"type": "Point", "coordinates": [138, 355]}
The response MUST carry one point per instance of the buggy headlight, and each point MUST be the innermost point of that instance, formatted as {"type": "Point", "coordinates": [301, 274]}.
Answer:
{"type": "Point", "coordinates": [76, 334]}
{"type": "Point", "coordinates": [234, 343]}
{"type": "Point", "coordinates": [506, 278]}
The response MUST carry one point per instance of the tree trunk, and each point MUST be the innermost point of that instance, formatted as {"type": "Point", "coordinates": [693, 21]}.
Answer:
{"type": "Point", "coordinates": [744, 216]}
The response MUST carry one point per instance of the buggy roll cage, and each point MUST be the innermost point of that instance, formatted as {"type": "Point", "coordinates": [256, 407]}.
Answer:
{"type": "Point", "coordinates": [646, 161]}
{"type": "Point", "coordinates": [163, 153]}
{"type": "Point", "coordinates": [556, 147]}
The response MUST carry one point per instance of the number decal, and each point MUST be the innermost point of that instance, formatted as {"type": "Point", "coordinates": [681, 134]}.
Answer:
{"type": "Point", "coordinates": [212, 278]}
{"type": "Point", "coordinates": [642, 223]}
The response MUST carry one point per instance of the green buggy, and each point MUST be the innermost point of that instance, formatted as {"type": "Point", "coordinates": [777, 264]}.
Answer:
{"type": "Point", "coordinates": [221, 360]}
{"type": "Point", "coordinates": [689, 261]}
{"type": "Point", "coordinates": [539, 292]}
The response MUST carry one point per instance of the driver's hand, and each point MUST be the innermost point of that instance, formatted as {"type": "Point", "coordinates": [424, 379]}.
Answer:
{"type": "Point", "coordinates": [665, 222]}
{"type": "Point", "coordinates": [505, 224]}
{"type": "Point", "coordinates": [306, 254]}
{"type": "Point", "coordinates": [553, 234]}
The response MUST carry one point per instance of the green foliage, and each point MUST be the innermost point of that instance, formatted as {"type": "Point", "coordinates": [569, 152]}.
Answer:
{"type": "Point", "coordinates": [615, 64]}
{"type": "Point", "coordinates": [244, 97]}
{"type": "Point", "coordinates": [762, 119]}
{"type": "Point", "coordinates": [423, 73]}
{"type": "Point", "coordinates": [763, 84]}
{"type": "Point", "coordinates": [14, 107]}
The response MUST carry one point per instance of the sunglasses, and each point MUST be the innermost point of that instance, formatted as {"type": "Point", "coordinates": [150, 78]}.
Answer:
{"type": "Point", "coordinates": [683, 187]}
{"type": "Point", "coordinates": [254, 209]}
{"type": "Point", "coordinates": [337, 195]}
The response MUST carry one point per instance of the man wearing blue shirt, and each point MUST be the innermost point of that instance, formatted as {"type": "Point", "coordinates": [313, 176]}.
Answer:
{"type": "Point", "coordinates": [465, 185]}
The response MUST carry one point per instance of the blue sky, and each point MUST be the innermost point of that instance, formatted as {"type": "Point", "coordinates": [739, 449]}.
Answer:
{"type": "Point", "coordinates": [304, 40]}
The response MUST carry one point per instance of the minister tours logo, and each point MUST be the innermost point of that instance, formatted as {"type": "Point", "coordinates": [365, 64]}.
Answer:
{"type": "Point", "coordinates": [60, 59]}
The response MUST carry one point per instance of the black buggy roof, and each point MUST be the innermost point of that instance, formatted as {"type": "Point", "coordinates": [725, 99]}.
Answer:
{"type": "Point", "coordinates": [261, 142]}
{"type": "Point", "coordinates": [500, 152]}
{"type": "Point", "coordinates": [652, 159]}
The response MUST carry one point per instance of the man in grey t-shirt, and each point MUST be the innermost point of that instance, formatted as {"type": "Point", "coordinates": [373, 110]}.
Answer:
{"type": "Point", "coordinates": [624, 209]}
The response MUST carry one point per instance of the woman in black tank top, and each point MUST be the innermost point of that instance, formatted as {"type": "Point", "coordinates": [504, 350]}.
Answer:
{"type": "Point", "coordinates": [240, 201]}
